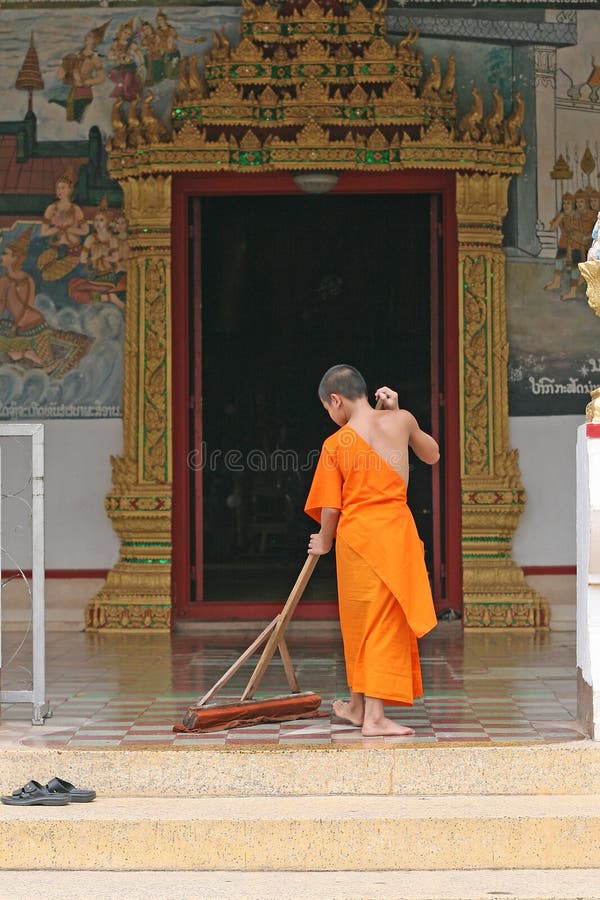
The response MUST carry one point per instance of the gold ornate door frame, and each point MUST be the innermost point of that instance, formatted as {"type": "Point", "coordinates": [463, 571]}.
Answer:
{"type": "Point", "coordinates": [316, 91]}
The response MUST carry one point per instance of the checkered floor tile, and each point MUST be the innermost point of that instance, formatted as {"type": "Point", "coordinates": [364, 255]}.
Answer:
{"type": "Point", "coordinates": [129, 690]}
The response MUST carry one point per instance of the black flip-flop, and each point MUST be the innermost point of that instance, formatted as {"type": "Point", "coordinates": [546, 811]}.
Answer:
{"type": "Point", "coordinates": [64, 788]}
{"type": "Point", "coordinates": [34, 794]}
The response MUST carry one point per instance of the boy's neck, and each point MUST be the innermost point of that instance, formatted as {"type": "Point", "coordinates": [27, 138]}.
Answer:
{"type": "Point", "coordinates": [357, 409]}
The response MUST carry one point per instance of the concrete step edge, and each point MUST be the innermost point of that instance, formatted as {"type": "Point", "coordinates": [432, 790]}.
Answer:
{"type": "Point", "coordinates": [369, 833]}
{"type": "Point", "coordinates": [393, 769]}
{"type": "Point", "coordinates": [485, 884]}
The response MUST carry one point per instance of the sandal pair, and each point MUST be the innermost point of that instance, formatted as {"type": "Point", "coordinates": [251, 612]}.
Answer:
{"type": "Point", "coordinates": [56, 793]}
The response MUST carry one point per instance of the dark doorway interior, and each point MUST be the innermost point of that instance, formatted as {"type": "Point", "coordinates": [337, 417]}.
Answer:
{"type": "Point", "coordinates": [290, 285]}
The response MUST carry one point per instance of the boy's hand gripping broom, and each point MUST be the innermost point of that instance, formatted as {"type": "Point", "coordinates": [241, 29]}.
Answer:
{"type": "Point", "coordinates": [246, 711]}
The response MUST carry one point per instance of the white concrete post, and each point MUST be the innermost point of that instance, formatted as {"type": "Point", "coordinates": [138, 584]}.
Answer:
{"type": "Point", "coordinates": [588, 578]}
{"type": "Point", "coordinates": [36, 696]}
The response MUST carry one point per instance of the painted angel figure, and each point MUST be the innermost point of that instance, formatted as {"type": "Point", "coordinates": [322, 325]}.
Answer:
{"type": "Point", "coordinates": [167, 38]}
{"type": "Point", "coordinates": [125, 54]}
{"type": "Point", "coordinates": [81, 72]}
{"type": "Point", "coordinates": [149, 44]}
{"type": "Point", "coordinates": [65, 225]}
{"type": "Point", "coordinates": [104, 280]}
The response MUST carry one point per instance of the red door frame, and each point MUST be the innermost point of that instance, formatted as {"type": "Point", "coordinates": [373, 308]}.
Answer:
{"type": "Point", "coordinates": [184, 187]}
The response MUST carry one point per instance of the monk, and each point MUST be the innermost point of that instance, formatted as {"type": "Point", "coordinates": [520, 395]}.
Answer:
{"type": "Point", "coordinates": [358, 495]}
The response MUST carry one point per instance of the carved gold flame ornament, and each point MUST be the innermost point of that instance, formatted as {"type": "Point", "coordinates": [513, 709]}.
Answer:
{"type": "Point", "coordinates": [316, 85]}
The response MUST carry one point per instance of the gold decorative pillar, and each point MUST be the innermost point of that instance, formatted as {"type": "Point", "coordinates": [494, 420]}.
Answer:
{"type": "Point", "coordinates": [137, 594]}
{"type": "Point", "coordinates": [494, 588]}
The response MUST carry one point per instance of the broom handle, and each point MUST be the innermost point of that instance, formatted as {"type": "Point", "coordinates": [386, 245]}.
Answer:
{"type": "Point", "coordinates": [282, 622]}
{"type": "Point", "coordinates": [238, 663]}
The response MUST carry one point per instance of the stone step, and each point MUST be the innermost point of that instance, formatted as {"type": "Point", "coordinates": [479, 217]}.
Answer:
{"type": "Point", "coordinates": [528, 884]}
{"type": "Point", "coordinates": [399, 768]}
{"type": "Point", "coordinates": [367, 833]}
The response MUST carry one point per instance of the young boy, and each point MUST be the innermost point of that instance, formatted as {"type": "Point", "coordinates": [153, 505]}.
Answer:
{"type": "Point", "coordinates": [358, 495]}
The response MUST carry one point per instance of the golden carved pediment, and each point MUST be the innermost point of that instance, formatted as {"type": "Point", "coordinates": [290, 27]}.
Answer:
{"type": "Point", "coordinates": [246, 51]}
{"type": "Point", "coordinates": [313, 91]}
{"type": "Point", "coordinates": [226, 91]}
{"type": "Point", "coordinates": [379, 48]}
{"type": "Point", "coordinates": [312, 51]}
{"type": "Point", "coordinates": [250, 141]}
{"type": "Point", "coordinates": [268, 97]}
{"type": "Point", "coordinates": [319, 76]}
{"type": "Point", "coordinates": [398, 91]}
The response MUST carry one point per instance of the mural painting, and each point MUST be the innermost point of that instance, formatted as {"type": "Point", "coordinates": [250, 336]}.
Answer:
{"type": "Point", "coordinates": [554, 337]}
{"type": "Point", "coordinates": [63, 237]}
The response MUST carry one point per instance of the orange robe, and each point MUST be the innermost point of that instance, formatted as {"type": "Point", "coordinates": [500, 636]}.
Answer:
{"type": "Point", "coordinates": [383, 589]}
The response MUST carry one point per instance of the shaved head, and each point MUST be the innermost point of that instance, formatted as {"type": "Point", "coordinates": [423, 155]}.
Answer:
{"type": "Point", "coordinates": [343, 380]}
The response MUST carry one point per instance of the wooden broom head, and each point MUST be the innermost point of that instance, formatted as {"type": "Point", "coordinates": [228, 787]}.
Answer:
{"type": "Point", "coordinates": [250, 712]}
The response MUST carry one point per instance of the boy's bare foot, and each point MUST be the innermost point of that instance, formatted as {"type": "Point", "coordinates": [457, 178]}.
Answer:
{"type": "Point", "coordinates": [348, 711]}
{"type": "Point", "coordinates": [385, 727]}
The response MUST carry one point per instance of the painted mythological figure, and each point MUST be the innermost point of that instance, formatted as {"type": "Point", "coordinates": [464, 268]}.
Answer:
{"type": "Point", "coordinates": [81, 72]}
{"type": "Point", "coordinates": [65, 225]}
{"type": "Point", "coordinates": [24, 333]}
{"type": "Point", "coordinates": [23, 330]}
{"type": "Point", "coordinates": [150, 47]}
{"type": "Point", "coordinates": [102, 255]}
{"type": "Point", "coordinates": [167, 38]}
{"type": "Point", "coordinates": [574, 221]}
{"type": "Point", "coordinates": [126, 55]}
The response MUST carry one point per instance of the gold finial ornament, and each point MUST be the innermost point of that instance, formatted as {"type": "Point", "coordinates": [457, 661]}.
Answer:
{"type": "Point", "coordinates": [592, 410]}
{"type": "Point", "coordinates": [514, 123]}
{"type": "Point", "coordinates": [469, 127]}
{"type": "Point", "coordinates": [492, 124]}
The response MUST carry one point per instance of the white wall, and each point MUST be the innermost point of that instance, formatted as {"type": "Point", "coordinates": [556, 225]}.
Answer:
{"type": "Point", "coordinates": [546, 532]}
{"type": "Point", "coordinates": [78, 476]}
{"type": "Point", "coordinates": [79, 534]}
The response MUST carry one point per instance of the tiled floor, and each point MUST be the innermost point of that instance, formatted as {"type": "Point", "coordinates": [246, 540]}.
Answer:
{"type": "Point", "coordinates": [125, 691]}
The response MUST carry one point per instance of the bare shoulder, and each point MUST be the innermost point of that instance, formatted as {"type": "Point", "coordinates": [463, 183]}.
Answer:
{"type": "Point", "coordinates": [397, 426]}
{"type": "Point", "coordinates": [396, 419]}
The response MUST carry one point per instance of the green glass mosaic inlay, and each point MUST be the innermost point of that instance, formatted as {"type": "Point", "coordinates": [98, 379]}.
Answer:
{"type": "Point", "coordinates": [479, 539]}
{"type": "Point", "coordinates": [145, 543]}
{"type": "Point", "coordinates": [146, 560]}
{"type": "Point", "coordinates": [251, 158]}
{"type": "Point", "coordinates": [498, 555]}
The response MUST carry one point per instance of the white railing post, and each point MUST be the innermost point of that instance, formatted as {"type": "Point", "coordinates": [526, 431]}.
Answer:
{"type": "Point", "coordinates": [588, 578]}
{"type": "Point", "coordinates": [37, 695]}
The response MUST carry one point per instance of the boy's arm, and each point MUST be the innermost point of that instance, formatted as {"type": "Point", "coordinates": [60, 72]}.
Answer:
{"type": "Point", "coordinates": [321, 543]}
{"type": "Point", "coordinates": [422, 443]}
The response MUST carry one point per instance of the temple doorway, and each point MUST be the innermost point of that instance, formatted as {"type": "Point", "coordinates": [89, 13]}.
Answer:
{"type": "Point", "coordinates": [282, 287]}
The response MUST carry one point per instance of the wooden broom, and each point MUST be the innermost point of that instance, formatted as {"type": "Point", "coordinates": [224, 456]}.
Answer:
{"type": "Point", "coordinates": [247, 711]}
